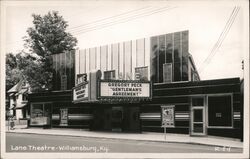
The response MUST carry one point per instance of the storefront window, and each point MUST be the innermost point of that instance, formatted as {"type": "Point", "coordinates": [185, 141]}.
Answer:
{"type": "Point", "coordinates": [37, 110]}
{"type": "Point", "coordinates": [220, 111]}
{"type": "Point", "coordinates": [47, 109]}
{"type": "Point", "coordinates": [40, 114]}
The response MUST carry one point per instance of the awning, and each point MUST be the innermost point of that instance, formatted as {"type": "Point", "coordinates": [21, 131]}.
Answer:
{"type": "Point", "coordinates": [20, 106]}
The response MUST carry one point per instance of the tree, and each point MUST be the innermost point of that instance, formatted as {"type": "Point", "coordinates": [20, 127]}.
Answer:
{"type": "Point", "coordinates": [48, 36]}
{"type": "Point", "coordinates": [17, 68]}
{"type": "Point", "coordinates": [13, 74]}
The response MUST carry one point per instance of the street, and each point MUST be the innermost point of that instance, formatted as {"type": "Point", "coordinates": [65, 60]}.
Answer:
{"type": "Point", "coordinates": [17, 142]}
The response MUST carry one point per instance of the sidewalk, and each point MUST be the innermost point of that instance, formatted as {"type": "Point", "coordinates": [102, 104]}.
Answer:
{"type": "Point", "coordinates": [144, 136]}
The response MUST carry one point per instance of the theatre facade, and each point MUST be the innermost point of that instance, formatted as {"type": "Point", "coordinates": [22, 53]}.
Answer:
{"type": "Point", "coordinates": [148, 84]}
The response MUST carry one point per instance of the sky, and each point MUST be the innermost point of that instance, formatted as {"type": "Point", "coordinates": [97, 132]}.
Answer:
{"type": "Point", "coordinates": [96, 23]}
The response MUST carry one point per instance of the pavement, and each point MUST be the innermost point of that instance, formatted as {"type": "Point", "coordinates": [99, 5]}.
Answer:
{"type": "Point", "coordinates": [144, 136]}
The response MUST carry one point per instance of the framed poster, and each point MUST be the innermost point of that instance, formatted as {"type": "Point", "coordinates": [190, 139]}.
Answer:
{"type": "Point", "coordinates": [63, 117]}
{"type": "Point", "coordinates": [167, 116]}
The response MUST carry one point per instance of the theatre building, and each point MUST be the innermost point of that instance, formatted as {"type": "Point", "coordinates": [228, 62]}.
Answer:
{"type": "Point", "coordinates": [139, 85]}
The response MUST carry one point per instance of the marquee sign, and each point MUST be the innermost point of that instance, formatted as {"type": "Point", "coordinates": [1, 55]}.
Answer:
{"type": "Point", "coordinates": [125, 89]}
{"type": "Point", "coordinates": [80, 92]}
{"type": "Point", "coordinates": [81, 78]}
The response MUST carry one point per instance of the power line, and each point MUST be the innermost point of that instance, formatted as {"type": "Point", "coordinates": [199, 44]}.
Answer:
{"type": "Point", "coordinates": [115, 18]}
{"type": "Point", "coordinates": [124, 20]}
{"type": "Point", "coordinates": [223, 35]}
{"type": "Point", "coordinates": [100, 20]}
{"type": "Point", "coordinates": [121, 20]}
{"type": "Point", "coordinates": [221, 38]}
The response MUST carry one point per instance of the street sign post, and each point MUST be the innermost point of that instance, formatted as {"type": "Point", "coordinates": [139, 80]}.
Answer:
{"type": "Point", "coordinates": [167, 117]}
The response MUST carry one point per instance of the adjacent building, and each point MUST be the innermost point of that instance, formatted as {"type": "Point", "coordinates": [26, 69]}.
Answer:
{"type": "Point", "coordinates": [139, 85]}
{"type": "Point", "coordinates": [18, 103]}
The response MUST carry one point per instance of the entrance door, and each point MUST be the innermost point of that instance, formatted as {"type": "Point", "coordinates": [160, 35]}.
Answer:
{"type": "Point", "coordinates": [117, 118]}
{"type": "Point", "coordinates": [134, 119]}
{"type": "Point", "coordinates": [198, 121]}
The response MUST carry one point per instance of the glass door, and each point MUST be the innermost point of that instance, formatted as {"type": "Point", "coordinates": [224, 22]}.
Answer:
{"type": "Point", "coordinates": [198, 121]}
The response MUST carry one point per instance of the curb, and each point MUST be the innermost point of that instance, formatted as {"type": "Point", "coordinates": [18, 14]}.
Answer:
{"type": "Point", "coordinates": [98, 137]}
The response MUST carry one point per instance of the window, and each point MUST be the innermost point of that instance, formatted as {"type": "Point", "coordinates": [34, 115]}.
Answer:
{"type": "Point", "coordinates": [220, 111]}
{"type": "Point", "coordinates": [36, 110]}
{"type": "Point", "coordinates": [108, 75]}
{"type": "Point", "coordinates": [24, 97]}
{"type": "Point", "coordinates": [197, 101]}
{"type": "Point", "coordinates": [40, 114]}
